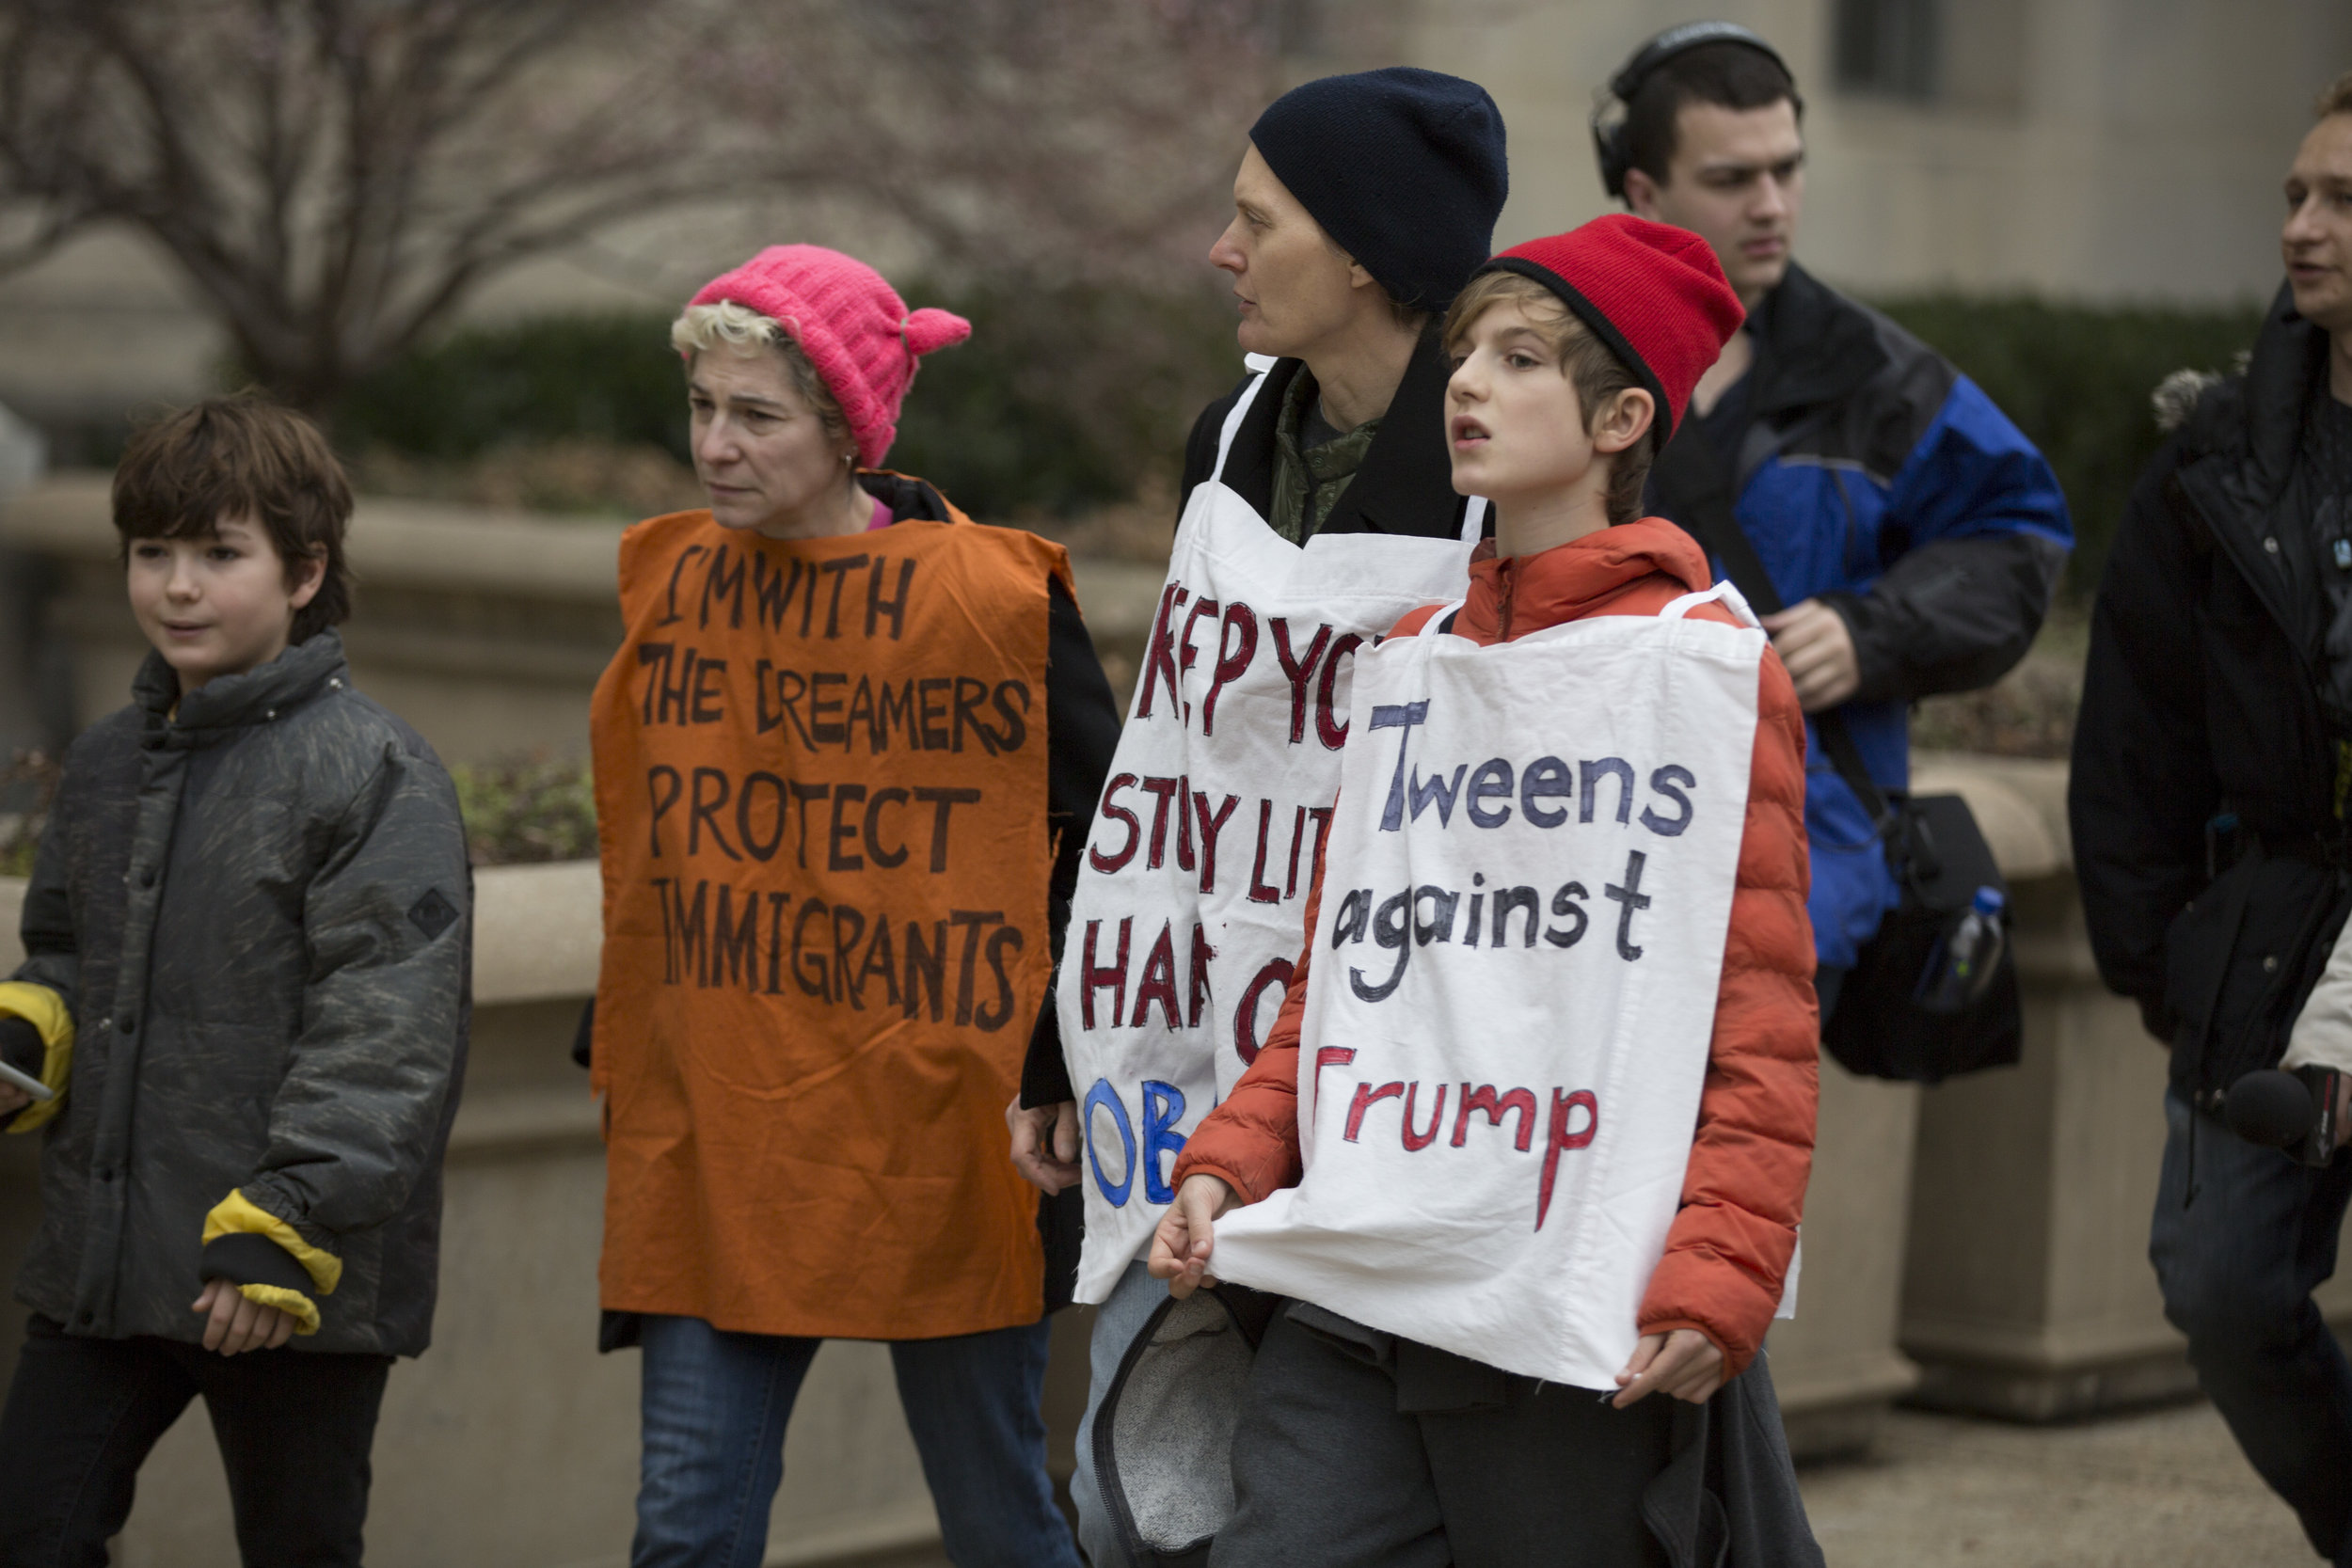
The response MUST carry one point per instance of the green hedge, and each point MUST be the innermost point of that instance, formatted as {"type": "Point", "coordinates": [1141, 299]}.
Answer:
{"type": "Point", "coordinates": [1067, 399]}
{"type": "Point", "coordinates": [2076, 380]}
{"type": "Point", "coordinates": [609, 378]}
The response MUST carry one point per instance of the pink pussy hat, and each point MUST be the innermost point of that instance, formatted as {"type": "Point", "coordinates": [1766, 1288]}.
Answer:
{"type": "Point", "coordinates": [851, 325]}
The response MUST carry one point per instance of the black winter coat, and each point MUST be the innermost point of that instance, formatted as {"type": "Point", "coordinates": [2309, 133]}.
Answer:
{"type": "Point", "coordinates": [2205, 771]}
{"type": "Point", "coordinates": [257, 909]}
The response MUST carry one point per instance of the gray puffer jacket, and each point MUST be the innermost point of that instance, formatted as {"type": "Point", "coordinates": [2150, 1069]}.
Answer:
{"type": "Point", "coordinates": [257, 909]}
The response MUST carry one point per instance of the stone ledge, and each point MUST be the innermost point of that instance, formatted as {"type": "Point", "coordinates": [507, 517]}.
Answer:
{"type": "Point", "coordinates": [513, 1122]}
{"type": "Point", "coordinates": [2019, 804]}
{"type": "Point", "coordinates": [398, 542]}
{"type": "Point", "coordinates": [538, 930]}
{"type": "Point", "coordinates": [434, 546]}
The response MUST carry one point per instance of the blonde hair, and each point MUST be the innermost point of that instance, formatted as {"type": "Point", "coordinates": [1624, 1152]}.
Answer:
{"type": "Point", "coordinates": [1591, 366]}
{"type": "Point", "coordinates": [2336, 99]}
{"type": "Point", "coordinates": [740, 329]}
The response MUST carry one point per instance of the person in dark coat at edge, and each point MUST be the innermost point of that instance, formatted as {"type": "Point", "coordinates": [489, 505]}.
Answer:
{"type": "Point", "coordinates": [1911, 530]}
{"type": "Point", "coordinates": [2213, 759]}
{"type": "Point", "coordinates": [1362, 203]}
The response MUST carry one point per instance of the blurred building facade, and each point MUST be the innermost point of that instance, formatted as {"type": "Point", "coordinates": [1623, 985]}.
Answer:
{"type": "Point", "coordinates": [2099, 151]}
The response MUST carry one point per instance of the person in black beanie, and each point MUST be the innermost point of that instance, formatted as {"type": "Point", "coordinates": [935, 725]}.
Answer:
{"type": "Point", "coordinates": [1363, 205]}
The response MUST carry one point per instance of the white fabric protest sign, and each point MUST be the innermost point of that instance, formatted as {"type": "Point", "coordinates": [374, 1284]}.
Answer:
{"type": "Point", "coordinates": [1188, 914]}
{"type": "Point", "coordinates": [1513, 990]}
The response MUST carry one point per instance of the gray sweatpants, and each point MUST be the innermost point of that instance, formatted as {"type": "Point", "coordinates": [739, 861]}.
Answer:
{"type": "Point", "coordinates": [1117, 1323]}
{"type": "Point", "coordinates": [1340, 1461]}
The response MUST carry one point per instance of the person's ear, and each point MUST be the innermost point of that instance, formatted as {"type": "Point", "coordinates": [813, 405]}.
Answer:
{"type": "Point", "coordinates": [1626, 421]}
{"type": "Point", "coordinates": [1641, 194]}
{"type": "Point", "coordinates": [310, 575]}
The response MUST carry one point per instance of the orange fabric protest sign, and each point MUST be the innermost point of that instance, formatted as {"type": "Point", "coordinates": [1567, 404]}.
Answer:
{"type": "Point", "coordinates": [820, 773]}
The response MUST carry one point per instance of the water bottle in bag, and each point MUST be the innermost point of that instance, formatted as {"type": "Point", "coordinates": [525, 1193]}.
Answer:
{"type": "Point", "coordinates": [1962, 965]}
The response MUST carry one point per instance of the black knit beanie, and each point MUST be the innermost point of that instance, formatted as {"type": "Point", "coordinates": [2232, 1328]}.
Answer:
{"type": "Point", "coordinates": [1403, 168]}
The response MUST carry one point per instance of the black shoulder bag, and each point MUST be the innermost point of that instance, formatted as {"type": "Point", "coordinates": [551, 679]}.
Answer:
{"type": "Point", "coordinates": [1883, 1025]}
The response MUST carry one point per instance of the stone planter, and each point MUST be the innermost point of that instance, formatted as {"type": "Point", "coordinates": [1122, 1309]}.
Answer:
{"type": "Point", "coordinates": [486, 629]}
{"type": "Point", "coordinates": [1836, 1365]}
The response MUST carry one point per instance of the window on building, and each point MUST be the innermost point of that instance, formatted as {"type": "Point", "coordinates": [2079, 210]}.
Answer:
{"type": "Point", "coordinates": [1889, 46]}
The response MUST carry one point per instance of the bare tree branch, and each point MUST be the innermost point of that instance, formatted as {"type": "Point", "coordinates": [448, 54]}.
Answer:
{"type": "Point", "coordinates": [334, 177]}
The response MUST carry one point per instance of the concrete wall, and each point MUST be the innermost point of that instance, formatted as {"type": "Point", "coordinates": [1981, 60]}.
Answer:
{"type": "Point", "coordinates": [486, 630]}
{"type": "Point", "coordinates": [2097, 150]}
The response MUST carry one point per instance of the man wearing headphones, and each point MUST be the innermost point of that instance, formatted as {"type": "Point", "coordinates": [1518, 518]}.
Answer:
{"type": "Point", "coordinates": [1912, 532]}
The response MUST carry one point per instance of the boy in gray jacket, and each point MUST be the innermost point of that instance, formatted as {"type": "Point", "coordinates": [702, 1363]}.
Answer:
{"type": "Point", "coordinates": [245, 1001]}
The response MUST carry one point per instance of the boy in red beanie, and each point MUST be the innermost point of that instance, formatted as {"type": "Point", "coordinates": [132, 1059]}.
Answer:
{"type": "Point", "coordinates": [1418, 1400]}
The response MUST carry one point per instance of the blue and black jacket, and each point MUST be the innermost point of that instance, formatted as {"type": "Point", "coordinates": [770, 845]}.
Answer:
{"type": "Point", "coordinates": [1870, 474]}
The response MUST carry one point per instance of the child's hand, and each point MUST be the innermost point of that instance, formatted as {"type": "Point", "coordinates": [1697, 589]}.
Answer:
{"type": "Point", "coordinates": [1180, 1247]}
{"type": "Point", "coordinates": [238, 1325]}
{"type": "Point", "coordinates": [1045, 1144]}
{"type": "Point", "coordinates": [1684, 1363]}
{"type": "Point", "coordinates": [12, 1099]}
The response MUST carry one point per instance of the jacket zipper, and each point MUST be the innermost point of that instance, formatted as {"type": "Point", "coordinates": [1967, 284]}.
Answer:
{"type": "Point", "coordinates": [1502, 621]}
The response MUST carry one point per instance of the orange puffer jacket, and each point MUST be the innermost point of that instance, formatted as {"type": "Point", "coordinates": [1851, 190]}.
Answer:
{"type": "Point", "coordinates": [1744, 1192]}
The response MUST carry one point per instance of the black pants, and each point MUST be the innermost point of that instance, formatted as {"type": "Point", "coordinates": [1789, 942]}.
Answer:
{"type": "Point", "coordinates": [1333, 1465]}
{"type": "Point", "coordinates": [295, 1430]}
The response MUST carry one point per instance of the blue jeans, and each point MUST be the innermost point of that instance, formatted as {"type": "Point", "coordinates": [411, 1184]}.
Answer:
{"type": "Point", "coordinates": [2242, 1237]}
{"type": "Point", "coordinates": [1117, 1323]}
{"type": "Point", "coordinates": [715, 1405]}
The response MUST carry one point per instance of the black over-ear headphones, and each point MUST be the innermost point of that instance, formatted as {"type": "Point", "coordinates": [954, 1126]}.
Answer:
{"type": "Point", "coordinates": [1609, 115]}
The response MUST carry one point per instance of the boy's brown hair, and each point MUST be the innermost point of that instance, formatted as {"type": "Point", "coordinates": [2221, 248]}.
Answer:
{"type": "Point", "coordinates": [1591, 366]}
{"type": "Point", "coordinates": [243, 457]}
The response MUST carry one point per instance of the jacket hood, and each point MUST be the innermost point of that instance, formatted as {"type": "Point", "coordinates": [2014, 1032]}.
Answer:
{"type": "Point", "coordinates": [229, 702]}
{"type": "Point", "coordinates": [1583, 577]}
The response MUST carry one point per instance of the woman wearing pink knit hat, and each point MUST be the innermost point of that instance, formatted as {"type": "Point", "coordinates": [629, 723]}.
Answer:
{"type": "Point", "coordinates": [837, 758]}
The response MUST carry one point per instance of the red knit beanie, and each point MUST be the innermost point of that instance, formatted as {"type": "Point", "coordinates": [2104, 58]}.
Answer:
{"type": "Point", "coordinates": [1653, 292]}
{"type": "Point", "coordinates": [851, 325]}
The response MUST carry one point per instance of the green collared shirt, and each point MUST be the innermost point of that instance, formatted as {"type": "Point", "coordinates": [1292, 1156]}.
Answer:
{"type": "Point", "coordinates": [1309, 480]}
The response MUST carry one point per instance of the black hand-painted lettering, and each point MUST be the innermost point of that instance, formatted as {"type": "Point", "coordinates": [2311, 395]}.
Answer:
{"type": "Point", "coordinates": [946, 800]}
{"type": "Point", "coordinates": [804, 793]}
{"type": "Point", "coordinates": [754, 844]}
{"type": "Point", "coordinates": [1401, 717]}
{"type": "Point", "coordinates": [702, 809]}
{"type": "Point", "coordinates": [886, 859]}
{"type": "Point", "coordinates": [821, 730]}
{"type": "Point", "coordinates": [1663, 781]}
{"type": "Point", "coordinates": [1629, 898]}
{"type": "Point", "coordinates": [840, 571]}
{"type": "Point", "coordinates": [839, 832]}
{"type": "Point", "coordinates": [661, 798]}
{"type": "Point", "coordinates": [895, 608]}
